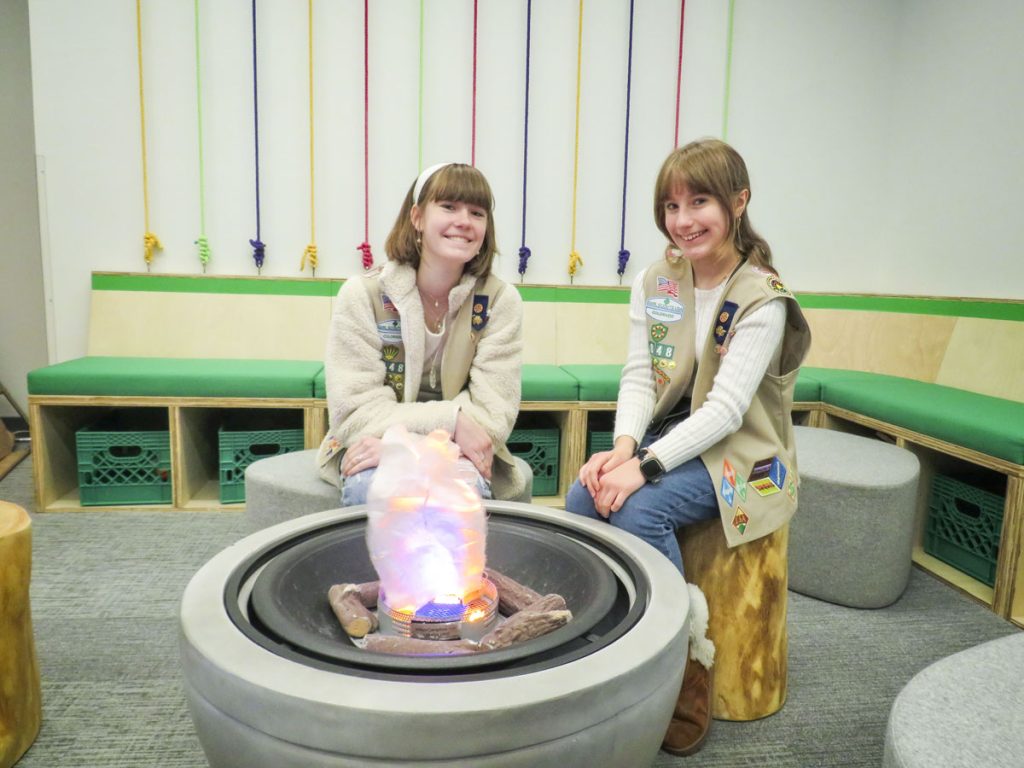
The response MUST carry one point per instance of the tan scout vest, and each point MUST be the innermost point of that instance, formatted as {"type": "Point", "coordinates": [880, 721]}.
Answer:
{"type": "Point", "coordinates": [753, 470]}
{"type": "Point", "coordinates": [456, 359]}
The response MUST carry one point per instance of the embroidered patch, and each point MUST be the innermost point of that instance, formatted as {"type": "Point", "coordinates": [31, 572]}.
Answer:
{"type": "Point", "coordinates": [660, 377]}
{"type": "Point", "coordinates": [767, 476]}
{"type": "Point", "coordinates": [390, 331]}
{"type": "Point", "coordinates": [658, 332]}
{"type": "Point", "coordinates": [776, 285]}
{"type": "Point", "coordinates": [740, 520]}
{"type": "Point", "coordinates": [389, 352]}
{"type": "Point", "coordinates": [666, 351]}
{"type": "Point", "coordinates": [741, 487]}
{"type": "Point", "coordinates": [333, 446]}
{"type": "Point", "coordinates": [480, 313]}
{"type": "Point", "coordinates": [727, 491]}
{"type": "Point", "coordinates": [725, 317]}
{"type": "Point", "coordinates": [671, 287]}
{"type": "Point", "coordinates": [665, 309]}
{"type": "Point", "coordinates": [728, 472]}
{"type": "Point", "coordinates": [388, 304]}
{"type": "Point", "coordinates": [791, 490]}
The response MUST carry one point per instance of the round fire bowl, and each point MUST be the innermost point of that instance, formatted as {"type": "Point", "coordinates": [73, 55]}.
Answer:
{"type": "Point", "coordinates": [271, 680]}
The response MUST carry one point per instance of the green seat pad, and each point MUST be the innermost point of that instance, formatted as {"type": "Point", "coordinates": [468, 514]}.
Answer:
{"type": "Point", "coordinates": [320, 383]}
{"type": "Point", "coordinates": [548, 382]}
{"type": "Point", "coordinates": [987, 424]}
{"type": "Point", "coordinates": [597, 382]}
{"type": "Point", "coordinates": [808, 385]}
{"type": "Point", "coordinates": [175, 377]}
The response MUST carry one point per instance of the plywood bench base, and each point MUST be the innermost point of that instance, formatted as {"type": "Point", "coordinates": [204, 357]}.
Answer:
{"type": "Point", "coordinates": [20, 708]}
{"type": "Point", "coordinates": [746, 593]}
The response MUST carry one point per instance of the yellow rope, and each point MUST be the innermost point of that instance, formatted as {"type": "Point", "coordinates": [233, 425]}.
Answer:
{"type": "Point", "coordinates": [150, 242]}
{"type": "Point", "coordinates": [575, 261]}
{"type": "Point", "coordinates": [309, 255]}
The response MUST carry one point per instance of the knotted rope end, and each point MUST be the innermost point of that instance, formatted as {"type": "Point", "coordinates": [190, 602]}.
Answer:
{"type": "Point", "coordinates": [524, 258]}
{"type": "Point", "coordinates": [367, 256]}
{"type": "Point", "coordinates": [309, 255]}
{"type": "Point", "coordinates": [258, 252]}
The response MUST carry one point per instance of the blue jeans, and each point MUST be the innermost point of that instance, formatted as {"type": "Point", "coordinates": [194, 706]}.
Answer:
{"type": "Point", "coordinates": [354, 488]}
{"type": "Point", "coordinates": [683, 496]}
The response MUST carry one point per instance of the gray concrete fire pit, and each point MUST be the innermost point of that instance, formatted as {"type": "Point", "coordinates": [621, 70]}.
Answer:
{"type": "Point", "coordinates": [271, 679]}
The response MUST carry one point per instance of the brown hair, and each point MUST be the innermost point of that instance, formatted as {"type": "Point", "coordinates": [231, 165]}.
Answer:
{"type": "Point", "coordinates": [456, 183]}
{"type": "Point", "coordinates": [712, 167]}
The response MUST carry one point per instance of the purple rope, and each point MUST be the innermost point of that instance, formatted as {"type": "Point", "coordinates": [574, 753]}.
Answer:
{"type": "Point", "coordinates": [258, 248]}
{"type": "Point", "coordinates": [623, 253]}
{"type": "Point", "coordinates": [524, 252]}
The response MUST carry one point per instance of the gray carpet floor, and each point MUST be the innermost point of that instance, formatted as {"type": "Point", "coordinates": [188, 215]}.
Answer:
{"type": "Point", "coordinates": [105, 593]}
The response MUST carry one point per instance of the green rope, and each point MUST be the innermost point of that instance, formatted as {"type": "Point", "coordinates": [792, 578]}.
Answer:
{"type": "Point", "coordinates": [728, 72]}
{"type": "Point", "coordinates": [202, 242]}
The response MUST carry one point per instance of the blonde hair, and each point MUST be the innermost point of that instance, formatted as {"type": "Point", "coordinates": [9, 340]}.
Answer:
{"type": "Point", "coordinates": [712, 167]}
{"type": "Point", "coordinates": [456, 183]}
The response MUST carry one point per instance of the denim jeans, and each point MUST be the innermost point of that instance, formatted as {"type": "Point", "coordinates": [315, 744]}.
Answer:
{"type": "Point", "coordinates": [684, 496]}
{"type": "Point", "coordinates": [355, 488]}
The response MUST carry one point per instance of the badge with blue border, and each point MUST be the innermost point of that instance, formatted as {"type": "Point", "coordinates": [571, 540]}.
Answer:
{"type": "Point", "coordinates": [728, 491]}
{"type": "Point", "coordinates": [724, 322]}
{"type": "Point", "coordinates": [767, 476]}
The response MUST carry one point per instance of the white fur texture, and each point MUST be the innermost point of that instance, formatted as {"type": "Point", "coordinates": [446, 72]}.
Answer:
{"type": "Point", "coordinates": [701, 647]}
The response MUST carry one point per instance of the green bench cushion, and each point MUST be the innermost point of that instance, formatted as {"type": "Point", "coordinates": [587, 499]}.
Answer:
{"type": "Point", "coordinates": [175, 377]}
{"type": "Point", "coordinates": [596, 382]}
{"type": "Point", "coordinates": [548, 382]}
{"type": "Point", "coordinates": [320, 384]}
{"type": "Point", "coordinates": [808, 385]}
{"type": "Point", "coordinates": [991, 425]}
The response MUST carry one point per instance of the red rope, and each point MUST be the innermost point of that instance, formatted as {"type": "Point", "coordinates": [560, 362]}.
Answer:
{"type": "Point", "coordinates": [679, 70]}
{"type": "Point", "coordinates": [364, 247]}
{"type": "Point", "coordinates": [472, 154]}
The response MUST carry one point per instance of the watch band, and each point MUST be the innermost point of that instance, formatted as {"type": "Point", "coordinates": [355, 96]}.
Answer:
{"type": "Point", "coordinates": [650, 466]}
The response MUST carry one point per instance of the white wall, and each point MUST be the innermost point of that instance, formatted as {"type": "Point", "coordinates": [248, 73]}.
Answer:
{"type": "Point", "coordinates": [22, 317]}
{"type": "Point", "coordinates": [843, 109]}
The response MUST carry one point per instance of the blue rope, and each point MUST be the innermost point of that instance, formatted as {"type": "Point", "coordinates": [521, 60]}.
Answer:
{"type": "Point", "coordinates": [524, 252]}
{"type": "Point", "coordinates": [623, 253]}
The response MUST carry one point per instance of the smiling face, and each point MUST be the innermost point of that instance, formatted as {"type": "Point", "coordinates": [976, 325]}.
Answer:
{"type": "Point", "coordinates": [699, 226]}
{"type": "Point", "coordinates": [452, 232]}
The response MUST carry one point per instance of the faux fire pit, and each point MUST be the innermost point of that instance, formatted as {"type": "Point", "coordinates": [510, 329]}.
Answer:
{"type": "Point", "coordinates": [273, 680]}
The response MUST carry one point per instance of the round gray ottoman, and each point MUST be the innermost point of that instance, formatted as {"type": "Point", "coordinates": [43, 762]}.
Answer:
{"type": "Point", "coordinates": [850, 541]}
{"type": "Point", "coordinates": [964, 711]}
{"type": "Point", "coordinates": [284, 487]}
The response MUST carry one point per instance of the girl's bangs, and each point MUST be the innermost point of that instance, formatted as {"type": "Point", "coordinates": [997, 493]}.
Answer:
{"type": "Point", "coordinates": [460, 184]}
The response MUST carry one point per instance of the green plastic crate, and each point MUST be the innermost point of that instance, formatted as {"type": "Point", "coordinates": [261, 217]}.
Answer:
{"type": "Point", "coordinates": [964, 523]}
{"type": "Point", "coordinates": [119, 466]}
{"type": "Point", "coordinates": [539, 449]}
{"type": "Point", "coordinates": [240, 448]}
{"type": "Point", "coordinates": [599, 440]}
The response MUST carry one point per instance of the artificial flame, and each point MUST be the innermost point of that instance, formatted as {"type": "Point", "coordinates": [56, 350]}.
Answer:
{"type": "Point", "coordinates": [426, 526]}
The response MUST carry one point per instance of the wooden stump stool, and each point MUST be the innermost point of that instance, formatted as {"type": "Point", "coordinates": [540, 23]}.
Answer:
{"type": "Point", "coordinates": [20, 706]}
{"type": "Point", "coordinates": [746, 592]}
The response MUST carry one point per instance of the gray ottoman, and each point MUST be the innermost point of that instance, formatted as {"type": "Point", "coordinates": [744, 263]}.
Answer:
{"type": "Point", "coordinates": [850, 541]}
{"type": "Point", "coordinates": [964, 711]}
{"type": "Point", "coordinates": [284, 487]}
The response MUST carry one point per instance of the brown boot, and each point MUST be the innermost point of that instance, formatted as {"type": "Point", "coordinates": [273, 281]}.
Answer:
{"type": "Point", "coordinates": [691, 719]}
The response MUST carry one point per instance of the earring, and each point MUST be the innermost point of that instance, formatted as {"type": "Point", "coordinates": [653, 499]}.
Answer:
{"type": "Point", "coordinates": [419, 239]}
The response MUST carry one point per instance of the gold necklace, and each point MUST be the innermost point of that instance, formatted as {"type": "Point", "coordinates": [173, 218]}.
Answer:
{"type": "Point", "coordinates": [437, 323]}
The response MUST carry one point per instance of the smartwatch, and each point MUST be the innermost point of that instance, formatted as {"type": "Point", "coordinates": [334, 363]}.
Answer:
{"type": "Point", "coordinates": [650, 466]}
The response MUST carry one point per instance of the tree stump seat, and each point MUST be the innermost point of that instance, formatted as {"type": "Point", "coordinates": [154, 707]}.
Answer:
{"type": "Point", "coordinates": [20, 703]}
{"type": "Point", "coordinates": [747, 600]}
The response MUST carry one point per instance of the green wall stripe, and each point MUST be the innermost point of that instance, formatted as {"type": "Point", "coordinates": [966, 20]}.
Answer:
{"type": "Point", "coordinates": [991, 309]}
{"type": "Point", "coordinates": [987, 309]}
{"type": "Point", "coordinates": [203, 284]}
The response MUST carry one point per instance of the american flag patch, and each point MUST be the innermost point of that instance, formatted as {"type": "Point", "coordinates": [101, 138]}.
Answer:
{"type": "Point", "coordinates": [387, 303]}
{"type": "Point", "coordinates": [671, 287]}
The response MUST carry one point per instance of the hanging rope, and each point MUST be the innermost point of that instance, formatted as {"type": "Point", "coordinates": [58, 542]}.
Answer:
{"type": "Point", "coordinates": [575, 261]}
{"type": "Point", "coordinates": [623, 253]}
{"type": "Point", "coordinates": [419, 130]}
{"type": "Point", "coordinates": [728, 73]}
{"type": "Point", "coordinates": [472, 151]}
{"type": "Point", "coordinates": [202, 242]}
{"type": "Point", "coordinates": [524, 252]}
{"type": "Point", "coordinates": [679, 68]}
{"type": "Point", "coordinates": [364, 246]}
{"type": "Point", "coordinates": [258, 248]}
{"type": "Point", "coordinates": [150, 242]}
{"type": "Point", "coordinates": [309, 255]}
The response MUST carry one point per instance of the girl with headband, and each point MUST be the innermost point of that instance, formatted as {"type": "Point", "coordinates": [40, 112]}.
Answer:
{"type": "Point", "coordinates": [432, 340]}
{"type": "Point", "coordinates": [703, 423]}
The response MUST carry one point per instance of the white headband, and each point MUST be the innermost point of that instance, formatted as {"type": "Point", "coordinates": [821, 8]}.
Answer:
{"type": "Point", "coordinates": [417, 188]}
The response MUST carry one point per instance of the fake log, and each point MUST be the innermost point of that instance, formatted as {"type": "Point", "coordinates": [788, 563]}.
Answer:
{"type": "Point", "coordinates": [355, 619]}
{"type": "Point", "coordinates": [20, 708]}
{"type": "Point", "coordinates": [523, 626]}
{"type": "Point", "coordinates": [512, 596]}
{"type": "Point", "coordinates": [550, 602]}
{"type": "Point", "coordinates": [413, 646]}
{"type": "Point", "coordinates": [746, 591]}
{"type": "Point", "coordinates": [367, 592]}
